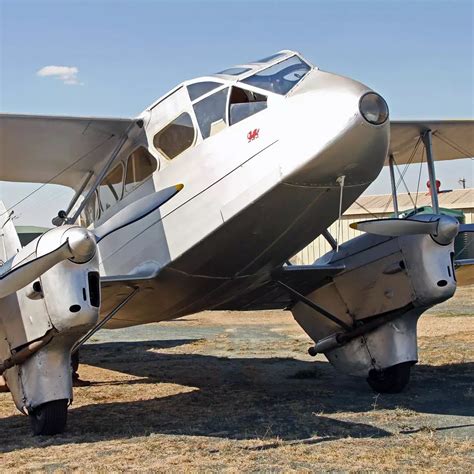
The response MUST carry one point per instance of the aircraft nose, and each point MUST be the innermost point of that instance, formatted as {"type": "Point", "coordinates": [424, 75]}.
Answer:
{"type": "Point", "coordinates": [342, 128]}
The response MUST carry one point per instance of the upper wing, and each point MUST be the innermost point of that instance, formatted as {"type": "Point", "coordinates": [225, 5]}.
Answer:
{"type": "Point", "coordinates": [40, 149]}
{"type": "Point", "coordinates": [452, 139]}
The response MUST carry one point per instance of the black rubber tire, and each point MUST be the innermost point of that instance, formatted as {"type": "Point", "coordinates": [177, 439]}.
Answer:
{"type": "Point", "coordinates": [390, 380]}
{"type": "Point", "coordinates": [49, 418]}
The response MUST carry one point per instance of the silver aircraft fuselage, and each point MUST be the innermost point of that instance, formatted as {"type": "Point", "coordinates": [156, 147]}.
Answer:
{"type": "Point", "coordinates": [254, 195]}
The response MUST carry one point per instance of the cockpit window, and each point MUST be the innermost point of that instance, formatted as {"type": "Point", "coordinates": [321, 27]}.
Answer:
{"type": "Point", "coordinates": [211, 113]}
{"type": "Point", "coordinates": [271, 58]}
{"type": "Point", "coordinates": [234, 71]}
{"type": "Point", "coordinates": [281, 77]}
{"type": "Point", "coordinates": [200, 88]}
{"type": "Point", "coordinates": [244, 103]}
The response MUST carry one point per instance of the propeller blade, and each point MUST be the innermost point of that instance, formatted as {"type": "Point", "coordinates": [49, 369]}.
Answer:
{"type": "Point", "coordinates": [466, 228]}
{"type": "Point", "coordinates": [136, 211]}
{"type": "Point", "coordinates": [396, 227]}
{"type": "Point", "coordinates": [25, 267]}
{"type": "Point", "coordinates": [24, 273]}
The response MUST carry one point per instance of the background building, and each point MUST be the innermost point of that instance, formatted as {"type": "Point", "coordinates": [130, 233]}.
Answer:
{"type": "Point", "coordinates": [378, 206]}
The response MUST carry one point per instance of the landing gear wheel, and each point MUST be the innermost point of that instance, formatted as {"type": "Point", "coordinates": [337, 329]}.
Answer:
{"type": "Point", "coordinates": [390, 380]}
{"type": "Point", "coordinates": [49, 418]}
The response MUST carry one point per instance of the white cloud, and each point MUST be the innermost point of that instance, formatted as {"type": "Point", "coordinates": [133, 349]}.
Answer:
{"type": "Point", "coordinates": [66, 74]}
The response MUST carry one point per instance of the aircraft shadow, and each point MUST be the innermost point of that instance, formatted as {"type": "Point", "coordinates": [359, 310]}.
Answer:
{"type": "Point", "coordinates": [241, 398]}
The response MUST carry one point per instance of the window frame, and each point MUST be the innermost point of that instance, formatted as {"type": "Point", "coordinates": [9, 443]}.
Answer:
{"type": "Point", "coordinates": [206, 96]}
{"type": "Point", "coordinates": [126, 162]}
{"type": "Point", "coordinates": [98, 210]}
{"type": "Point", "coordinates": [237, 85]}
{"type": "Point", "coordinates": [273, 64]}
{"type": "Point", "coordinates": [229, 85]}
{"type": "Point", "coordinates": [203, 81]}
{"type": "Point", "coordinates": [195, 128]}
{"type": "Point", "coordinates": [119, 164]}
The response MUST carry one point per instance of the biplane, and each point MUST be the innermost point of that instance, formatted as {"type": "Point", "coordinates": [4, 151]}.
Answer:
{"type": "Point", "coordinates": [199, 203]}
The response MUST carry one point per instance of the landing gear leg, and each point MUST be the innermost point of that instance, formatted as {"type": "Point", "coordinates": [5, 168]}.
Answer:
{"type": "Point", "coordinates": [76, 381]}
{"type": "Point", "coordinates": [49, 418]}
{"type": "Point", "coordinates": [390, 380]}
{"type": "Point", "coordinates": [3, 385]}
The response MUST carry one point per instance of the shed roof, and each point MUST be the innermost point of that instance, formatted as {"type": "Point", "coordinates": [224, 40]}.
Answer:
{"type": "Point", "coordinates": [382, 203]}
{"type": "Point", "coordinates": [30, 229]}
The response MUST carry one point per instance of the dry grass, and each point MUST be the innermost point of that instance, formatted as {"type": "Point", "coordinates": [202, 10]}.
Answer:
{"type": "Point", "coordinates": [244, 396]}
{"type": "Point", "coordinates": [160, 453]}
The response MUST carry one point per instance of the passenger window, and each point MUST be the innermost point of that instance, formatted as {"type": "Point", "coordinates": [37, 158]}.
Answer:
{"type": "Point", "coordinates": [244, 103]}
{"type": "Point", "coordinates": [90, 213]}
{"type": "Point", "coordinates": [140, 166]}
{"type": "Point", "coordinates": [200, 88]}
{"type": "Point", "coordinates": [110, 190]}
{"type": "Point", "coordinates": [176, 137]}
{"type": "Point", "coordinates": [210, 113]}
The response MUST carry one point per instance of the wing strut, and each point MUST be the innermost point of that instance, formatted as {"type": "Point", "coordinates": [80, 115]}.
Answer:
{"type": "Point", "coordinates": [427, 137]}
{"type": "Point", "coordinates": [427, 141]}
{"type": "Point", "coordinates": [99, 178]}
{"type": "Point", "coordinates": [330, 239]}
{"type": "Point", "coordinates": [394, 185]}
{"type": "Point", "coordinates": [314, 306]}
{"type": "Point", "coordinates": [101, 323]}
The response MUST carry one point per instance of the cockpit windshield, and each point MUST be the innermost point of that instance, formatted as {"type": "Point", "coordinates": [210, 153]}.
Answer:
{"type": "Point", "coordinates": [281, 77]}
{"type": "Point", "coordinates": [234, 71]}
{"type": "Point", "coordinates": [271, 58]}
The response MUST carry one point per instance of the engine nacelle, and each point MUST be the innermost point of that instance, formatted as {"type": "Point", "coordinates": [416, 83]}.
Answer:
{"type": "Point", "coordinates": [401, 276]}
{"type": "Point", "coordinates": [58, 306]}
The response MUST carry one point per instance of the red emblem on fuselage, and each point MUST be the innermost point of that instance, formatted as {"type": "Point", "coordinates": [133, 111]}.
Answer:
{"type": "Point", "coordinates": [253, 135]}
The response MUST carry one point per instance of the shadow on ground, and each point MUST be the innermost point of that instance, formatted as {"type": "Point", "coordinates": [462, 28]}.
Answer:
{"type": "Point", "coordinates": [241, 398]}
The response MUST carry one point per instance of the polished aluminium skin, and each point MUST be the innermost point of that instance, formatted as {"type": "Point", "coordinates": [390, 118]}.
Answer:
{"type": "Point", "coordinates": [212, 226]}
{"type": "Point", "coordinates": [247, 207]}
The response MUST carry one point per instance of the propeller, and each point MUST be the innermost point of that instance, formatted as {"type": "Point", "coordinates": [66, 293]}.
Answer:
{"type": "Point", "coordinates": [75, 243]}
{"type": "Point", "coordinates": [442, 228]}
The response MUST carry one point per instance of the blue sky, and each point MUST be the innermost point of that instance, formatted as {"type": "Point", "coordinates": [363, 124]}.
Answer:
{"type": "Point", "coordinates": [417, 54]}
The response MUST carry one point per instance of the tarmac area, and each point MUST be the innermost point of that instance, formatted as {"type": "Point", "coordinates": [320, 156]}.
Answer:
{"type": "Point", "coordinates": [228, 391]}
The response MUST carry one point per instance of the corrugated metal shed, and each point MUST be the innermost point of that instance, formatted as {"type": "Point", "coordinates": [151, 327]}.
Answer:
{"type": "Point", "coordinates": [370, 207]}
{"type": "Point", "coordinates": [382, 203]}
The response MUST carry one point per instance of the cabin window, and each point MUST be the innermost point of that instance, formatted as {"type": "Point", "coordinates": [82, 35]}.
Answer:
{"type": "Point", "coordinates": [211, 113]}
{"type": "Point", "coordinates": [90, 213]}
{"type": "Point", "coordinates": [200, 88]}
{"type": "Point", "coordinates": [176, 137]}
{"type": "Point", "coordinates": [244, 103]}
{"type": "Point", "coordinates": [110, 190]}
{"type": "Point", "coordinates": [140, 166]}
{"type": "Point", "coordinates": [281, 77]}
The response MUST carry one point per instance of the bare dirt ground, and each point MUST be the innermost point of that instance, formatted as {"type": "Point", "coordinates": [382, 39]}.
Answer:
{"type": "Point", "coordinates": [238, 392]}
